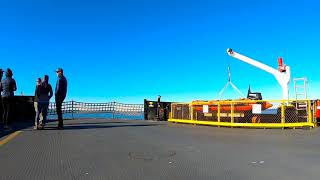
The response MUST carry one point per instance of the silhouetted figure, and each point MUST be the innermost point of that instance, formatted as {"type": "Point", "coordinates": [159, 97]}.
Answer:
{"type": "Point", "coordinates": [8, 86]}
{"type": "Point", "coordinates": [36, 103]}
{"type": "Point", "coordinates": [44, 98]}
{"type": "Point", "coordinates": [1, 109]}
{"type": "Point", "coordinates": [60, 95]}
{"type": "Point", "coordinates": [158, 108]}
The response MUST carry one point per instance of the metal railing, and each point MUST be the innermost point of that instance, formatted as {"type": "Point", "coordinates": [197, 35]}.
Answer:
{"type": "Point", "coordinates": [245, 113]}
{"type": "Point", "coordinates": [115, 109]}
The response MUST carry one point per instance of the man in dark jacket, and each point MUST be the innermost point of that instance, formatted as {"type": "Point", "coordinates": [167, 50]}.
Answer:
{"type": "Point", "coordinates": [60, 95]}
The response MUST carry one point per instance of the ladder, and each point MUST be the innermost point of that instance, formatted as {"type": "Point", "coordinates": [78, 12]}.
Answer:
{"type": "Point", "coordinates": [300, 89]}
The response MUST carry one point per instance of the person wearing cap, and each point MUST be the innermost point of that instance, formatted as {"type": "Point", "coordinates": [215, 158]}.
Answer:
{"type": "Point", "coordinates": [60, 95]}
{"type": "Point", "coordinates": [1, 109]}
{"type": "Point", "coordinates": [8, 86]}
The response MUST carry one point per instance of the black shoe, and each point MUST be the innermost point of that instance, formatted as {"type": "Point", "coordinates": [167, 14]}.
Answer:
{"type": "Point", "coordinates": [60, 127]}
{"type": "Point", "coordinates": [7, 128]}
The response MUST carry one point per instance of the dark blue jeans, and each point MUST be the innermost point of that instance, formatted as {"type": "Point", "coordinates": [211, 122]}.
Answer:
{"type": "Point", "coordinates": [7, 105]}
{"type": "Point", "coordinates": [44, 111]}
{"type": "Point", "coordinates": [59, 102]}
{"type": "Point", "coordinates": [41, 109]}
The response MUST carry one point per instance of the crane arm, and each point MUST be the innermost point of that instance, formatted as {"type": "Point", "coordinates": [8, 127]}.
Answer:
{"type": "Point", "coordinates": [253, 62]}
{"type": "Point", "coordinates": [282, 78]}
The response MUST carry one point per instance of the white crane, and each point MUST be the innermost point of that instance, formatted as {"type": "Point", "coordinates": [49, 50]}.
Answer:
{"type": "Point", "coordinates": [282, 74]}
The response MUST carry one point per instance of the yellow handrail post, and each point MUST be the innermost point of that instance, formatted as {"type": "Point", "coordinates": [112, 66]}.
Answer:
{"type": "Point", "coordinates": [283, 117]}
{"type": "Point", "coordinates": [182, 112]}
{"type": "Point", "coordinates": [170, 115]}
{"type": "Point", "coordinates": [218, 112]}
{"type": "Point", "coordinates": [314, 114]}
{"type": "Point", "coordinates": [309, 112]}
{"type": "Point", "coordinates": [232, 112]}
{"type": "Point", "coordinates": [171, 112]}
{"type": "Point", "coordinates": [191, 111]}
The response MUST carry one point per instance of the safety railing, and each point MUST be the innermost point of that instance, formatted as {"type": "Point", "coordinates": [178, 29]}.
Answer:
{"type": "Point", "coordinates": [115, 109]}
{"type": "Point", "coordinates": [246, 113]}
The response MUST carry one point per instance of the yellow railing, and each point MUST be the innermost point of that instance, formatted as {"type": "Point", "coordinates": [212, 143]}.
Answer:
{"type": "Point", "coordinates": [246, 113]}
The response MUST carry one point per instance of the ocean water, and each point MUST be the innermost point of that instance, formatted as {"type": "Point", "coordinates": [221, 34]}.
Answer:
{"type": "Point", "coordinates": [138, 116]}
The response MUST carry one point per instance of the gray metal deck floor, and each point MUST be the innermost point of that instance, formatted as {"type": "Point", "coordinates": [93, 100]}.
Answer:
{"type": "Point", "coordinates": [118, 149]}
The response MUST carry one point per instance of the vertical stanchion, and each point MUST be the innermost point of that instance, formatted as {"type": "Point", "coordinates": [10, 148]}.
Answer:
{"type": "Point", "coordinates": [72, 109]}
{"type": "Point", "coordinates": [313, 111]}
{"type": "Point", "coordinates": [218, 112]}
{"type": "Point", "coordinates": [170, 114]}
{"type": "Point", "coordinates": [309, 112]}
{"type": "Point", "coordinates": [232, 112]}
{"type": "Point", "coordinates": [113, 109]}
{"type": "Point", "coordinates": [283, 117]}
{"type": "Point", "coordinates": [181, 111]}
{"type": "Point", "coordinates": [191, 111]}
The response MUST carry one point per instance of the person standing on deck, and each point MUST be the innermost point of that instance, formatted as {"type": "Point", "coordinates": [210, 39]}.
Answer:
{"type": "Point", "coordinates": [60, 95]}
{"type": "Point", "coordinates": [36, 103]}
{"type": "Point", "coordinates": [1, 109]}
{"type": "Point", "coordinates": [44, 98]}
{"type": "Point", "coordinates": [8, 86]}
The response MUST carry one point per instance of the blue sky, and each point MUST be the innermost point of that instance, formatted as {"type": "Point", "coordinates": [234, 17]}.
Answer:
{"type": "Point", "coordinates": [126, 51]}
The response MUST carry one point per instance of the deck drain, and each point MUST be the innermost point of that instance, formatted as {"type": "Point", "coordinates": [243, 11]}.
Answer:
{"type": "Point", "coordinates": [257, 163]}
{"type": "Point", "coordinates": [151, 156]}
